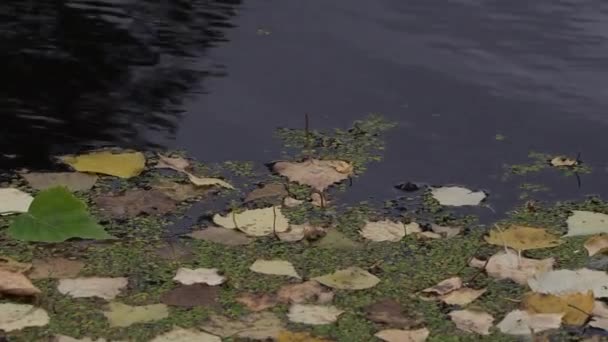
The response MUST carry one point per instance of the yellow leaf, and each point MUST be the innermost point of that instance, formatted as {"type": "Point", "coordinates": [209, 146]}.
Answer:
{"type": "Point", "coordinates": [123, 165]}
{"type": "Point", "coordinates": [205, 181]}
{"type": "Point", "coordinates": [523, 238]}
{"type": "Point", "coordinates": [288, 336]}
{"type": "Point", "coordinates": [576, 307]}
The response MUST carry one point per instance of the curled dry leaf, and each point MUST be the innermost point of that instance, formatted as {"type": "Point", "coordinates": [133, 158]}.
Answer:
{"type": "Point", "coordinates": [352, 278]}
{"type": "Point", "coordinates": [576, 307]}
{"type": "Point", "coordinates": [19, 316]}
{"type": "Point", "coordinates": [274, 267]}
{"type": "Point", "coordinates": [523, 238]}
{"type": "Point", "coordinates": [391, 313]}
{"type": "Point", "coordinates": [472, 321]}
{"type": "Point", "coordinates": [257, 302]}
{"type": "Point", "coordinates": [597, 244]}
{"type": "Point", "coordinates": [313, 314]}
{"type": "Point", "coordinates": [255, 222]}
{"type": "Point", "coordinates": [396, 335]}
{"type": "Point", "coordinates": [207, 276]}
{"type": "Point", "coordinates": [222, 236]}
{"type": "Point", "coordinates": [304, 292]}
{"type": "Point", "coordinates": [571, 281]}
{"type": "Point", "coordinates": [383, 231]}
{"type": "Point", "coordinates": [135, 202]}
{"type": "Point", "coordinates": [123, 165]}
{"type": "Point", "coordinates": [563, 161]}
{"type": "Point", "coordinates": [186, 335]}
{"type": "Point", "coordinates": [600, 309]}
{"type": "Point", "coordinates": [319, 174]}
{"type": "Point", "coordinates": [257, 326]}
{"type": "Point", "coordinates": [122, 315]}
{"type": "Point", "coordinates": [462, 296]}
{"type": "Point", "coordinates": [74, 181]}
{"type": "Point", "coordinates": [508, 265]}
{"type": "Point", "coordinates": [445, 286]}
{"type": "Point", "coordinates": [206, 181]}
{"type": "Point", "coordinates": [586, 223]}
{"type": "Point", "coordinates": [190, 296]}
{"type": "Point", "coordinates": [11, 265]}
{"type": "Point", "coordinates": [520, 322]}
{"type": "Point", "coordinates": [267, 191]}
{"type": "Point", "coordinates": [14, 201]}
{"type": "Point", "coordinates": [106, 288]}
{"type": "Point", "coordinates": [12, 283]}
{"type": "Point", "coordinates": [55, 268]}
{"type": "Point", "coordinates": [178, 164]}
{"type": "Point", "coordinates": [457, 196]}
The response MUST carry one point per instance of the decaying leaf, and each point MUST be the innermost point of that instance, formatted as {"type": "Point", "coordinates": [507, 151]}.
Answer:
{"type": "Point", "coordinates": [257, 326]}
{"type": "Point", "coordinates": [462, 296]}
{"type": "Point", "coordinates": [122, 315]}
{"type": "Point", "coordinates": [523, 238]}
{"type": "Point", "coordinates": [390, 312]}
{"type": "Point", "coordinates": [178, 164]}
{"type": "Point", "coordinates": [13, 283]}
{"type": "Point", "coordinates": [209, 276]}
{"type": "Point", "coordinates": [457, 196]}
{"type": "Point", "coordinates": [274, 267]}
{"type": "Point", "coordinates": [571, 281]}
{"type": "Point", "coordinates": [181, 192]}
{"type": "Point", "coordinates": [520, 322]}
{"type": "Point", "coordinates": [586, 223]}
{"type": "Point", "coordinates": [304, 292]}
{"type": "Point", "coordinates": [255, 222]}
{"type": "Point", "coordinates": [19, 316]}
{"type": "Point", "coordinates": [508, 265]}
{"type": "Point", "coordinates": [106, 288]}
{"type": "Point", "coordinates": [222, 236]}
{"type": "Point", "coordinates": [11, 265]}
{"type": "Point", "coordinates": [383, 231]}
{"type": "Point", "coordinates": [55, 268]}
{"type": "Point", "coordinates": [396, 335]}
{"type": "Point", "coordinates": [319, 174]}
{"type": "Point", "coordinates": [576, 307]}
{"type": "Point", "coordinates": [190, 296]}
{"type": "Point", "coordinates": [597, 244]}
{"type": "Point", "coordinates": [313, 314]}
{"type": "Point", "coordinates": [472, 321]}
{"type": "Point", "coordinates": [186, 335]}
{"type": "Point", "coordinates": [268, 191]}
{"type": "Point", "coordinates": [74, 181]}
{"type": "Point", "coordinates": [444, 231]}
{"type": "Point", "coordinates": [257, 302]}
{"type": "Point", "coordinates": [288, 336]}
{"type": "Point", "coordinates": [563, 161]}
{"type": "Point", "coordinates": [206, 181]}
{"type": "Point", "coordinates": [333, 239]}
{"type": "Point", "coordinates": [135, 202]}
{"type": "Point", "coordinates": [123, 165]}
{"type": "Point", "coordinates": [174, 251]}
{"type": "Point", "coordinates": [13, 201]}
{"type": "Point", "coordinates": [352, 278]}
{"type": "Point", "coordinates": [445, 286]}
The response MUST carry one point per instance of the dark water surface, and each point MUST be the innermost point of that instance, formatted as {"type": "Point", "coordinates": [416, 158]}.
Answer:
{"type": "Point", "coordinates": [217, 77]}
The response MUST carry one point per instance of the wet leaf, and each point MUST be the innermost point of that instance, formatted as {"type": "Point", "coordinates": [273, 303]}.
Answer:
{"type": "Point", "coordinates": [255, 222]}
{"type": "Point", "coordinates": [181, 192]}
{"type": "Point", "coordinates": [189, 296]}
{"type": "Point", "coordinates": [520, 322]}
{"type": "Point", "coordinates": [383, 231]}
{"type": "Point", "coordinates": [12, 283]}
{"type": "Point", "coordinates": [457, 196]}
{"type": "Point", "coordinates": [586, 223]}
{"type": "Point", "coordinates": [206, 181]}
{"type": "Point", "coordinates": [274, 267]}
{"type": "Point", "coordinates": [123, 165]}
{"type": "Point", "coordinates": [122, 315]}
{"type": "Point", "coordinates": [508, 265]}
{"type": "Point", "coordinates": [74, 181]}
{"type": "Point", "coordinates": [319, 174]}
{"type": "Point", "coordinates": [390, 312]}
{"type": "Point", "coordinates": [472, 321]}
{"type": "Point", "coordinates": [333, 239]}
{"type": "Point", "coordinates": [19, 316]}
{"type": "Point", "coordinates": [14, 201]}
{"type": "Point", "coordinates": [268, 191]}
{"type": "Point", "coordinates": [395, 335]}
{"type": "Point", "coordinates": [597, 244]}
{"type": "Point", "coordinates": [563, 161]}
{"type": "Point", "coordinates": [352, 278]}
{"type": "Point", "coordinates": [186, 335]}
{"type": "Point", "coordinates": [257, 302]}
{"type": "Point", "coordinates": [135, 202]}
{"type": "Point", "coordinates": [55, 268]}
{"type": "Point", "coordinates": [304, 292]}
{"type": "Point", "coordinates": [106, 288]}
{"type": "Point", "coordinates": [576, 307]}
{"type": "Point", "coordinates": [568, 281]}
{"type": "Point", "coordinates": [288, 336]}
{"type": "Point", "coordinates": [11, 265]}
{"type": "Point", "coordinates": [258, 326]}
{"type": "Point", "coordinates": [462, 296]}
{"type": "Point", "coordinates": [444, 231]}
{"type": "Point", "coordinates": [445, 286]}
{"type": "Point", "coordinates": [207, 276]}
{"type": "Point", "coordinates": [313, 314]}
{"type": "Point", "coordinates": [523, 238]}
{"type": "Point", "coordinates": [222, 236]}
{"type": "Point", "coordinates": [178, 164]}
{"type": "Point", "coordinates": [55, 216]}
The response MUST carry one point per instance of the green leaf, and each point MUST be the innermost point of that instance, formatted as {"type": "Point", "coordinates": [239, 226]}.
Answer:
{"type": "Point", "coordinates": [56, 215]}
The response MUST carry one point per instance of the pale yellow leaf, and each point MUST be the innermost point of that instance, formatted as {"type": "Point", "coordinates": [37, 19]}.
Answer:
{"type": "Point", "coordinates": [462, 296]}
{"type": "Point", "coordinates": [472, 321]}
{"type": "Point", "coordinates": [520, 322]}
{"type": "Point", "coordinates": [568, 281]}
{"type": "Point", "coordinates": [523, 238]}
{"type": "Point", "coordinates": [205, 181]}
{"type": "Point", "coordinates": [186, 335]}
{"type": "Point", "coordinates": [19, 316]}
{"type": "Point", "coordinates": [257, 326]}
{"type": "Point", "coordinates": [123, 165]}
{"type": "Point", "coordinates": [274, 267]}
{"type": "Point", "coordinates": [255, 222]}
{"type": "Point", "coordinates": [352, 278]}
{"type": "Point", "coordinates": [576, 307]}
{"type": "Point", "coordinates": [396, 335]}
{"type": "Point", "coordinates": [383, 231]}
{"type": "Point", "coordinates": [122, 315]}
{"type": "Point", "coordinates": [457, 196]}
{"type": "Point", "coordinates": [313, 314]}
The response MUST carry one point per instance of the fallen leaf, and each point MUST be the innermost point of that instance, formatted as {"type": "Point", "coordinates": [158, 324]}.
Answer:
{"type": "Point", "coordinates": [472, 321]}
{"type": "Point", "coordinates": [19, 316]}
{"type": "Point", "coordinates": [181, 192]}
{"type": "Point", "coordinates": [267, 191]}
{"type": "Point", "coordinates": [190, 296]}
{"type": "Point", "coordinates": [274, 267]}
{"type": "Point", "coordinates": [586, 223]}
{"type": "Point", "coordinates": [14, 201]}
{"type": "Point", "coordinates": [396, 335]}
{"type": "Point", "coordinates": [255, 222]}
{"type": "Point", "coordinates": [313, 314]}
{"type": "Point", "coordinates": [135, 202]}
{"type": "Point", "coordinates": [64, 338]}
{"type": "Point", "coordinates": [122, 315]}
{"type": "Point", "coordinates": [457, 196]}
{"type": "Point", "coordinates": [599, 322]}
{"type": "Point", "coordinates": [352, 278]}
{"type": "Point", "coordinates": [430, 235]}
{"type": "Point", "coordinates": [257, 302]}
{"type": "Point", "coordinates": [333, 239]}
{"type": "Point", "coordinates": [294, 233]}
{"type": "Point", "coordinates": [600, 309]}
{"type": "Point", "coordinates": [106, 288]}
{"type": "Point", "coordinates": [123, 165]}
{"type": "Point", "coordinates": [383, 231]}
{"type": "Point", "coordinates": [11, 265]}
{"type": "Point", "coordinates": [520, 322]}
{"type": "Point", "coordinates": [303, 292]}
{"type": "Point", "coordinates": [462, 296]}
{"type": "Point", "coordinates": [258, 326]}
{"type": "Point", "coordinates": [12, 283]}
{"type": "Point", "coordinates": [445, 286]}
{"type": "Point", "coordinates": [291, 202]}
{"type": "Point", "coordinates": [55, 268]}
{"type": "Point", "coordinates": [319, 201]}
{"type": "Point", "coordinates": [390, 312]}
{"type": "Point", "coordinates": [568, 281]}
{"type": "Point", "coordinates": [576, 307]}
{"type": "Point", "coordinates": [288, 336]}
{"type": "Point", "coordinates": [596, 244]}
{"type": "Point", "coordinates": [186, 335]}
{"type": "Point", "coordinates": [447, 232]}
{"type": "Point", "coordinates": [508, 265]}
{"type": "Point", "coordinates": [523, 238]}
{"type": "Point", "coordinates": [207, 276]}
{"type": "Point", "coordinates": [74, 181]}
{"type": "Point", "coordinates": [563, 161]}
{"type": "Point", "coordinates": [412, 228]}
{"type": "Point", "coordinates": [222, 236]}
{"type": "Point", "coordinates": [175, 251]}
{"type": "Point", "coordinates": [319, 174]}
{"type": "Point", "coordinates": [206, 181]}
{"type": "Point", "coordinates": [178, 164]}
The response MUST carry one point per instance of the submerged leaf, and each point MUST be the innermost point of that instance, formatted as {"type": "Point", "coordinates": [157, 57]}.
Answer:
{"type": "Point", "coordinates": [563, 161]}
{"type": "Point", "coordinates": [333, 239]}
{"type": "Point", "coordinates": [352, 278]}
{"type": "Point", "coordinates": [135, 202]}
{"type": "Point", "coordinates": [274, 267]}
{"type": "Point", "coordinates": [255, 222]}
{"type": "Point", "coordinates": [523, 238]}
{"type": "Point", "coordinates": [19, 316]}
{"type": "Point", "coordinates": [319, 174]}
{"type": "Point", "coordinates": [509, 265]}
{"type": "Point", "coordinates": [520, 322]}
{"type": "Point", "coordinates": [106, 288]}
{"type": "Point", "coordinates": [14, 201]}
{"type": "Point", "coordinates": [122, 315]}
{"type": "Point", "coordinates": [124, 165]}
{"type": "Point", "coordinates": [222, 236]}
{"type": "Point", "coordinates": [181, 192]}
{"type": "Point", "coordinates": [74, 181]}
{"type": "Point", "coordinates": [268, 191]}
{"type": "Point", "coordinates": [472, 321]}
{"type": "Point", "coordinates": [576, 307]}
{"type": "Point", "coordinates": [396, 335]}
{"type": "Point", "coordinates": [55, 216]}
{"type": "Point", "coordinates": [586, 223]}
{"type": "Point", "coordinates": [568, 281]}
{"type": "Point", "coordinates": [313, 314]}
{"type": "Point", "coordinates": [457, 196]}
{"type": "Point", "coordinates": [383, 231]}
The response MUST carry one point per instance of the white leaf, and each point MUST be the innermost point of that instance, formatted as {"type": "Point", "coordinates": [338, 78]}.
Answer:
{"type": "Point", "coordinates": [472, 321]}
{"type": "Point", "coordinates": [568, 281]}
{"type": "Point", "coordinates": [383, 231]}
{"type": "Point", "coordinates": [14, 201]}
{"type": "Point", "coordinates": [207, 276]}
{"type": "Point", "coordinates": [509, 265]}
{"type": "Point", "coordinates": [19, 316]}
{"type": "Point", "coordinates": [586, 223]}
{"type": "Point", "coordinates": [313, 314]}
{"type": "Point", "coordinates": [457, 196]}
{"type": "Point", "coordinates": [520, 322]}
{"type": "Point", "coordinates": [106, 288]}
{"type": "Point", "coordinates": [274, 267]}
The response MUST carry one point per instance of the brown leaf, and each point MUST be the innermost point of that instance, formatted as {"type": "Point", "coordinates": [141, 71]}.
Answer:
{"type": "Point", "coordinates": [257, 302]}
{"type": "Point", "coordinates": [11, 265]}
{"type": "Point", "coordinates": [597, 244]}
{"type": "Point", "coordinates": [397, 335]}
{"type": "Point", "coordinates": [389, 312]}
{"type": "Point", "coordinates": [55, 268]}
{"type": "Point", "coordinates": [222, 236]}
{"type": "Point", "coordinates": [319, 201]}
{"type": "Point", "coordinates": [178, 164]}
{"type": "Point", "coordinates": [445, 286]}
{"type": "Point", "coordinates": [189, 296]}
{"type": "Point", "coordinates": [17, 284]}
{"type": "Point", "coordinates": [291, 202]}
{"type": "Point", "coordinates": [268, 191]}
{"type": "Point", "coordinates": [175, 252]}
{"type": "Point", "coordinates": [288, 336]}
{"type": "Point", "coordinates": [182, 192]}
{"type": "Point", "coordinates": [304, 292]}
{"type": "Point", "coordinates": [319, 174]}
{"type": "Point", "coordinates": [135, 202]}
{"type": "Point", "coordinates": [256, 326]}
